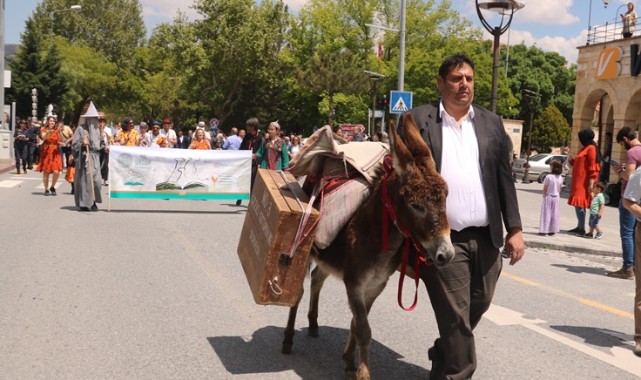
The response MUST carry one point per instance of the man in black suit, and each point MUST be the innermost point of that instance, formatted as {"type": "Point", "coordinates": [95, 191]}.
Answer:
{"type": "Point", "coordinates": [472, 152]}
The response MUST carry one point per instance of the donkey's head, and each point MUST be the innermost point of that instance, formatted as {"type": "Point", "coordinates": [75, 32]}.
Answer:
{"type": "Point", "coordinates": [417, 192]}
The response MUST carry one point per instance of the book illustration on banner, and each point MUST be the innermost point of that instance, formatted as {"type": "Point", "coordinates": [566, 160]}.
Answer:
{"type": "Point", "coordinates": [134, 179]}
{"type": "Point", "coordinates": [183, 177]}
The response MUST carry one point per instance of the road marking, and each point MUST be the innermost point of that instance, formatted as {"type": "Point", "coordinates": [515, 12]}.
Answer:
{"type": "Point", "coordinates": [580, 300]}
{"type": "Point", "coordinates": [621, 358]}
{"type": "Point", "coordinates": [7, 183]}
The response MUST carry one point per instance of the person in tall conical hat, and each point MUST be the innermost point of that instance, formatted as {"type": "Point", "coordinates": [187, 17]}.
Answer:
{"type": "Point", "coordinates": [86, 145]}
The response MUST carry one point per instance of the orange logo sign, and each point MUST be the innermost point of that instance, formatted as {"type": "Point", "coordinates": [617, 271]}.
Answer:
{"type": "Point", "coordinates": [608, 64]}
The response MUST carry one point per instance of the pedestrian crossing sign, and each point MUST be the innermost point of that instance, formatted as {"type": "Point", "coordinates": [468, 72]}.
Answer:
{"type": "Point", "coordinates": [400, 101]}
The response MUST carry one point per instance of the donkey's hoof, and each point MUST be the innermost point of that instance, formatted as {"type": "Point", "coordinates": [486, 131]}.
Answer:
{"type": "Point", "coordinates": [313, 332]}
{"type": "Point", "coordinates": [287, 348]}
{"type": "Point", "coordinates": [350, 375]}
{"type": "Point", "coordinates": [363, 373]}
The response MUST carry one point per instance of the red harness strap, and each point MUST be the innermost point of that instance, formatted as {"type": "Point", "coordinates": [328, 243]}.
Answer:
{"type": "Point", "coordinates": [390, 214]}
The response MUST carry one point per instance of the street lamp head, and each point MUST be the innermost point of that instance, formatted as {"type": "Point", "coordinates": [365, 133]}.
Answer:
{"type": "Point", "coordinates": [504, 6]}
{"type": "Point", "coordinates": [605, 3]}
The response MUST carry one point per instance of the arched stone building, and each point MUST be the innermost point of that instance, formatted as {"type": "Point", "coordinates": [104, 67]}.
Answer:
{"type": "Point", "coordinates": [607, 94]}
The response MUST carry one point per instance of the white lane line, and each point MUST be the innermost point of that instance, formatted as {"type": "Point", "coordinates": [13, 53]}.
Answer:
{"type": "Point", "coordinates": [621, 358]}
{"type": "Point", "coordinates": [7, 183]}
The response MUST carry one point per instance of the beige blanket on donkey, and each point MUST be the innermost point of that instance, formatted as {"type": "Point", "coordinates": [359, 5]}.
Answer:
{"type": "Point", "coordinates": [343, 174]}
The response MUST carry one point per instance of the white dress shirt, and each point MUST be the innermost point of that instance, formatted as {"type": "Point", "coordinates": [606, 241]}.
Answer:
{"type": "Point", "coordinates": [460, 167]}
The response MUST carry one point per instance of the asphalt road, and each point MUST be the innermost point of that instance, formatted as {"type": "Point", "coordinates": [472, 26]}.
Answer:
{"type": "Point", "coordinates": [155, 290]}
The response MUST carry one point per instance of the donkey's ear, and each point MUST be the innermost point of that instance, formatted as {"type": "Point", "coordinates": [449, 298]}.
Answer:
{"type": "Point", "coordinates": [400, 154]}
{"type": "Point", "coordinates": [413, 139]}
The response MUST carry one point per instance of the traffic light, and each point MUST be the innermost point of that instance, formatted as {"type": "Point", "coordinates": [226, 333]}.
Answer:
{"type": "Point", "coordinates": [382, 103]}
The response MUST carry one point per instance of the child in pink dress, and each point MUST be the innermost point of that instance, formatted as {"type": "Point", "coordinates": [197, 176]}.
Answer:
{"type": "Point", "coordinates": [550, 209]}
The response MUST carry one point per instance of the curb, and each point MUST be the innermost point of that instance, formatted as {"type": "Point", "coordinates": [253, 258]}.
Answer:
{"type": "Point", "coordinates": [571, 248]}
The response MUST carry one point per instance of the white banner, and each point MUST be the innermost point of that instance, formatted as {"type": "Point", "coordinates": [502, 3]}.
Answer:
{"type": "Point", "coordinates": [156, 173]}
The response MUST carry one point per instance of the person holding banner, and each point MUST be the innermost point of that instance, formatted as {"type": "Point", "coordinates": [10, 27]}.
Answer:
{"type": "Point", "coordinates": [85, 147]}
{"type": "Point", "coordinates": [199, 141]}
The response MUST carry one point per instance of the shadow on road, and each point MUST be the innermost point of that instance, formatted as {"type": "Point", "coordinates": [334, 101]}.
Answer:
{"type": "Point", "coordinates": [596, 336]}
{"type": "Point", "coordinates": [311, 358]}
{"type": "Point", "coordinates": [582, 269]}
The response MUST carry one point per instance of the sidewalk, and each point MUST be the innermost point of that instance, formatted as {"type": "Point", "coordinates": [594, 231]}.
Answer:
{"type": "Point", "coordinates": [530, 198]}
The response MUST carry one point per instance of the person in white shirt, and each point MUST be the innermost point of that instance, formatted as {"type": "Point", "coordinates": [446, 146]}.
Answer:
{"type": "Point", "coordinates": [472, 152]}
{"type": "Point", "coordinates": [168, 133]}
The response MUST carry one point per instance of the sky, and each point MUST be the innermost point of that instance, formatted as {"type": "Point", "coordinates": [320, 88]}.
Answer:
{"type": "Point", "coordinates": [552, 25]}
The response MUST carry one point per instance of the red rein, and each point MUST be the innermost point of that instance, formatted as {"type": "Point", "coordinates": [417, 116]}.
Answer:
{"type": "Point", "coordinates": [390, 214]}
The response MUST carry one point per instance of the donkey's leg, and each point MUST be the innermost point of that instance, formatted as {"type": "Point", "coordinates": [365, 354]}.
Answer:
{"type": "Point", "coordinates": [364, 342]}
{"type": "Point", "coordinates": [288, 340]}
{"type": "Point", "coordinates": [318, 279]}
{"type": "Point", "coordinates": [349, 354]}
{"type": "Point", "coordinates": [359, 333]}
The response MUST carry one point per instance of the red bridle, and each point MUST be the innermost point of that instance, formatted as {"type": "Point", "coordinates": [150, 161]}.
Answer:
{"type": "Point", "coordinates": [390, 214]}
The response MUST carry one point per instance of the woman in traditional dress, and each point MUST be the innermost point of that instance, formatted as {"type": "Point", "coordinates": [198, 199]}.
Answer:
{"type": "Point", "coordinates": [199, 141]}
{"type": "Point", "coordinates": [50, 157]}
{"type": "Point", "coordinates": [585, 171]}
{"type": "Point", "coordinates": [273, 153]}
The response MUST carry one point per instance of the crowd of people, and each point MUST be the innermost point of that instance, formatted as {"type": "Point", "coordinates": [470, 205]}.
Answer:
{"type": "Point", "coordinates": [46, 147]}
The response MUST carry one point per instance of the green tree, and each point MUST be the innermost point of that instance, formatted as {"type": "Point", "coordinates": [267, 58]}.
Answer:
{"type": "Point", "coordinates": [114, 28]}
{"type": "Point", "coordinates": [27, 72]}
{"type": "Point", "coordinates": [550, 130]}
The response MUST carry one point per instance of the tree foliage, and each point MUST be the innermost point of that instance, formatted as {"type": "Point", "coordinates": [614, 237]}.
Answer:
{"type": "Point", "coordinates": [114, 28]}
{"type": "Point", "coordinates": [550, 130]}
{"type": "Point", "coordinates": [244, 58]}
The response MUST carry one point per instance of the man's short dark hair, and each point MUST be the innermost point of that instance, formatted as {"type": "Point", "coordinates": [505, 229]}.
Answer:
{"type": "Point", "coordinates": [252, 122]}
{"type": "Point", "coordinates": [457, 60]}
{"type": "Point", "coordinates": [626, 132]}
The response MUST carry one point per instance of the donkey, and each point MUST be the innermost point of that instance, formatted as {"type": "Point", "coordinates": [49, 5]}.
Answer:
{"type": "Point", "coordinates": [417, 193]}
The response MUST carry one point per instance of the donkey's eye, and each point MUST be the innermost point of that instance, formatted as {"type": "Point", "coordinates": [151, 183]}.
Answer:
{"type": "Point", "coordinates": [417, 207]}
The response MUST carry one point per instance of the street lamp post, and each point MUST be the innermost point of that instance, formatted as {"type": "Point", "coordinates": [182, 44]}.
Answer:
{"type": "Point", "coordinates": [373, 77]}
{"type": "Point", "coordinates": [531, 95]}
{"type": "Point", "coordinates": [53, 13]}
{"type": "Point", "coordinates": [506, 8]}
{"type": "Point", "coordinates": [605, 5]}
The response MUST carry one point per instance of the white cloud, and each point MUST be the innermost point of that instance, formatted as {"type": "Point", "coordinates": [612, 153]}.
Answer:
{"type": "Point", "coordinates": [167, 9]}
{"type": "Point", "coordinates": [549, 12]}
{"type": "Point", "coordinates": [565, 47]}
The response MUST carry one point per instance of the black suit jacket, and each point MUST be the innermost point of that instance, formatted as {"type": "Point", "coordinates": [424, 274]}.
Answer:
{"type": "Point", "coordinates": [495, 153]}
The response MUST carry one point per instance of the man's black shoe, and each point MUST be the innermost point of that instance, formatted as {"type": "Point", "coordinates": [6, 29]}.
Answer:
{"type": "Point", "coordinates": [238, 202]}
{"type": "Point", "coordinates": [83, 208]}
{"type": "Point", "coordinates": [435, 354]}
{"type": "Point", "coordinates": [94, 207]}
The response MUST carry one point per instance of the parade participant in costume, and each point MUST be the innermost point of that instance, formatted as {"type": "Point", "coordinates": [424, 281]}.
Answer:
{"type": "Point", "coordinates": [85, 147]}
{"type": "Point", "coordinates": [471, 151]}
{"type": "Point", "coordinates": [50, 157]}
{"type": "Point", "coordinates": [273, 152]}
